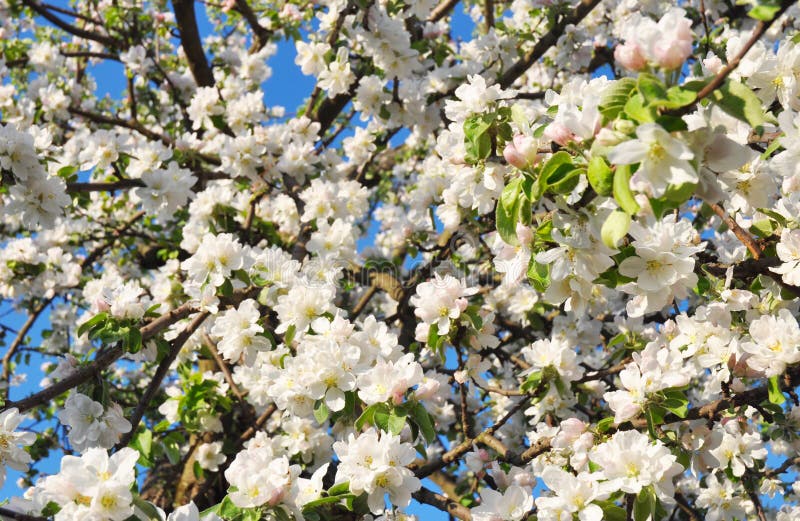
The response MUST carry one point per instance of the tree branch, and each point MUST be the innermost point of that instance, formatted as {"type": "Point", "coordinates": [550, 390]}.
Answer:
{"type": "Point", "coordinates": [723, 74]}
{"type": "Point", "coordinates": [186, 19]}
{"type": "Point", "coordinates": [547, 40]}
{"type": "Point", "coordinates": [160, 374]}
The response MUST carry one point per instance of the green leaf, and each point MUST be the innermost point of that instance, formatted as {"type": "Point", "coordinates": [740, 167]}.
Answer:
{"type": "Point", "coordinates": [613, 99]}
{"type": "Point", "coordinates": [423, 419]}
{"type": "Point", "coordinates": [762, 228]}
{"type": "Point", "coordinates": [95, 322]}
{"type": "Point", "coordinates": [645, 504]}
{"type": "Point", "coordinates": [477, 141]}
{"type": "Point", "coordinates": [396, 422]}
{"type": "Point", "coordinates": [772, 214]}
{"type": "Point", "coordinates": [147, 509]}
{"type": "Point", "coordinates": [601, 177]}
{"type": "Point", "coordinates": [615, 227]}
{"type": "Point", "coordinates": [538, 275]}
{"type": "Point", "coordinates": [775, 145]}
{"type": "Point", "coordinates": [638, 110]}
{"type": "Point", "coordinates": [198, 470]}
{"type": "Point", "coordinates": [531, 382]}
{"type": "Point", "coordinates": [143, 443]}
{"type": "Point", "coordinates": [679, 97]}
{"type": "Point", "coordinates": [326, 501]}
{"type": "Point", "coordinates": [508, 208]}
{"type": "Point", "coordinates": [226, 290]}
{"type": "Point", "coordinates": [289, 335]}
{"type": "Point", "coordinates": [367, 417]}
{"type": "Point", "coordinates": [556, 168]}
{"type": "Point", "coordinates": [764, 11]}
{"type": "Point", "coordinates": [134, 340]}
{"type": "Point", "coordinates": [611, 512]}
{"type": "Point", "coordinates": [652, 421]}
{"type": "Point", "coordinates": [321, 411]}
{"type": "Point", "coordinates": [679, 194]}
{"type": "Point", "coordinates": [651, 88]}
{"type": "Point", "coordinates": [339, 489]}
{"type": "Point", "coordinates": [622, 190]}
{"type": "Point", "coordinates": [381, 418]}
{"type": "Point", "coordinates": [774, 388]}
{"type": "Point", "coordinates": [738, 100]}
{"type": "Point", "coordinates": [434, 340]}
{"type": "Point", "coordinates": [677, 404]}
{"type": "Point", "coordinates": [475, 319]}
{"type": "Point", "coordinates": [605, 424]}
{"type": "Point", "coordinates": [567, 179]}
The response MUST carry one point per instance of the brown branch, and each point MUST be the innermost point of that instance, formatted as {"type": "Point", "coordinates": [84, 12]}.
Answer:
{"type": "Point", "coordinates": [547, 40]}
{"type": "Point", "coordinates": [91, 54]}
{"type": "Point", "coordinates": [132, 125]}
{"type": "Point", "coordinates": [749, 486]}
{"type": "Point", "coordinates": [488, 13]}
{"type": "Point", "coordinates": [738, 231]}
{"type": "Point", "coordinates": [110, 355]}
{"type": "Point", "coordinates": [246, 435]}
{"type": "Point", "coordinates": [442, 10]}
{"type": "Point", "coordinates": [444, 504]}
{"type": "Point", "coordinates": [112, 186]}
{"type": "Point", "coordinates": [186, 20]}
{"type": "Point", "coordinates": [723, 74]}
{"type": "Point", "coordinates": [260, 421]}
{"type": "Point", "coordinates": [426, 469]}
{"type": "Point", "coordinates": [684, 505]}
{"type": "Point", "coordinates": [260, 33]}
{"type": "Point", "coordinates": [103, 359]}
{"type": "Point", "coordinates": [163, 368]}
{"type": "Point", "coordinates": [363, 301]}
{"type": "Point", "coordinates": [223, 367]}
{"type": "Point", "coordinates": [37, 311]}
{"type": "Point", "coordinates": [75, 31]}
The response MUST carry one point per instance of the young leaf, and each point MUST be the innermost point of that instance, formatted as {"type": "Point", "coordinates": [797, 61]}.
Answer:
{"type": "Point", "coordinates": [645, 504]}
{"type": "Point", "coordinates": [601, 177]}
{"type": "Point", "coordinates": [615, 96]}
{"type": "Point", "coordinates": [615, 227]}
{"type": "Point", "coordinates": [622, 190]}
{"type": "Point", "coordinates": [508, 211]}
{"type": "Point", "coordinates": [396, 422]}
{"type": "Point", "coordinates": [423, 419]}
{"type": "Point", "coordinates": [738, 100]}
{"type": "Point", "coordinates": [774, 388]}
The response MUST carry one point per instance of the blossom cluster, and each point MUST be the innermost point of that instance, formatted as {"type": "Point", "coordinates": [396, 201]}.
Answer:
{"type": "Point", "coordinates": [543, 254]}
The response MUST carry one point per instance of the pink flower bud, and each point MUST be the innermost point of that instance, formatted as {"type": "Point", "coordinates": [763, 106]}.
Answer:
{"type": "Point", "coordinates": [558, 133]}
{"type": "Point", "coordinates": [671, 53]}
{"type": "Point", "coordinates": [228, 5]}
{"type": "Point", "coordinates": [522, 152]}
{"type": "Point", "coordinates": [630, 56]}
{"type": "Point", "coordinates": [712, 63]}
{"type": "Point", "coordinates": [101, 305]}
{"type": "Point", "coordinates": [524, 234]}
{"type": "Point", "coordinates": [431, 31]}
{"type": "Point", "coordinates": [276, 496]}
{"type": "Point", "coordinates": [291, 12]}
